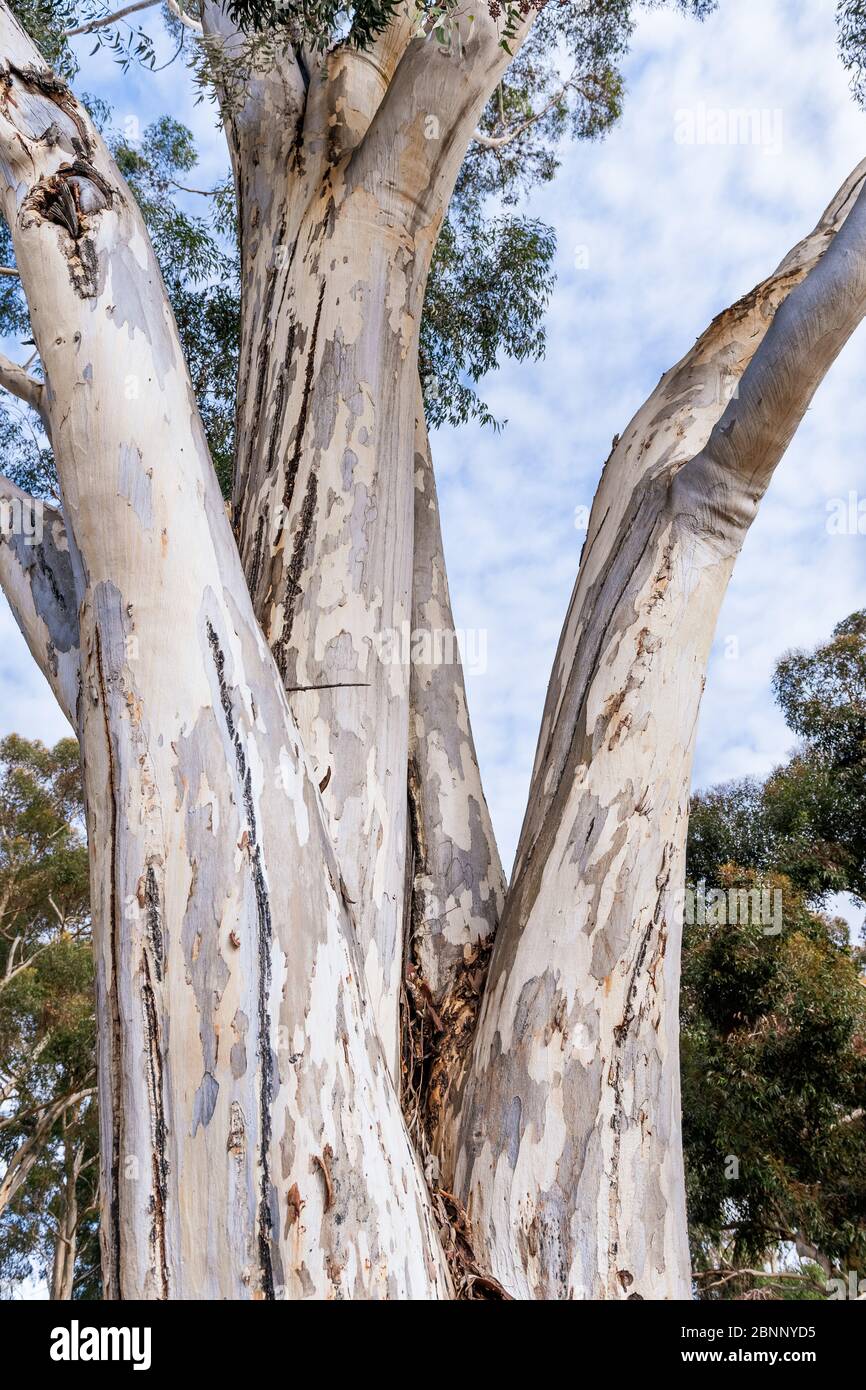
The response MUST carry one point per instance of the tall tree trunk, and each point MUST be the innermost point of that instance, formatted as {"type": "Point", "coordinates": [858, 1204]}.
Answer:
{"type": "Point", "coordinates": [238, 1071]}
{"type": "Point", "coordinates": [569, 1151]}
{"type": "Point", "coordinates": [340, 210]}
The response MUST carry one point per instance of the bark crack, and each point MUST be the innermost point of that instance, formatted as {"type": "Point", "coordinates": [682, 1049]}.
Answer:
{"type": "Point", "coordinates": [116, 1032]}
{"type": "Point", "coordinates": [265, 945]}
{"type": "Point", "coordinates": [615, 1074]}
{"type": "Point", "coordinates": [158, 1132]}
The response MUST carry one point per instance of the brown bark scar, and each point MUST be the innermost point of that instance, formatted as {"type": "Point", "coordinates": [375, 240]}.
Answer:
{"type": "Point", "coordinates": [294, 1203]}
{"type": "Point", "coordinates": [323, 1163]}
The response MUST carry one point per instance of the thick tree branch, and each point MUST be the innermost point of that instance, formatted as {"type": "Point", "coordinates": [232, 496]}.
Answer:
{"type": "Point", "coordinates": [721, 487]}
{"type": "Point", "coordinates": [673, 425]}
{"type": "Point", "coordinates": [348, 85]}
{"type": "Point", "coordinates": [423, 127]}
{"type": "Point", "coordinates": [37, 577]}
{"type": "Point", "coordinates": [577, 1187]}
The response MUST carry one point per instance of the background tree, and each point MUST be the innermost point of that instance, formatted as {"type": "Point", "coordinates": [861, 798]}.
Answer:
{"type": "Point", "coordinates": [774, 1026]}
{"type": "Point", "coordinates": [48, 1139]}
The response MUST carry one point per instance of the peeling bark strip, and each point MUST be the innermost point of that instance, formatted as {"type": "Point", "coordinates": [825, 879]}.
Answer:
{"type": "Point", "coordinates": [568, 1151]}
{"type": "Point", "coordinates": [158, 1131]}
{"type": "Point", "coordinates": [110, 1031]}
{"type": "Point", "coordinates": [148, 899]}
{"type": "Point", "coordinates": [249, 840]}
{"type": "Point", "coordinates": [225, 952]}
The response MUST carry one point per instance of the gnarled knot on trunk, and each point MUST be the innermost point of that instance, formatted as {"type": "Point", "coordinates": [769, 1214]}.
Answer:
{"type": "Point", "coordinates": [71, 198]}
{"type": "Point", "coordinates": [58, 96]}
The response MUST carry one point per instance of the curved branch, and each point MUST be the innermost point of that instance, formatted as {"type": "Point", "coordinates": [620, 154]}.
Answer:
{"type": "Point", "coordinates": [724, 484]}
{"type": "Point", "coordinates": [27, 1154]}
{"type": "Point", "coordinates": [104, 21]}
{"type": "Point", "coordinates": [584, 975]}
{"type": "Point", "coordinates": [498, 142]}
{"type": "Point", "coordinates": [193, 25]}
{"type": "Point", "coordinates": [21, 384]}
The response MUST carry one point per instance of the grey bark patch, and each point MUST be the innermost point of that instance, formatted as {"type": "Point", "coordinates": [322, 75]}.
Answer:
{"type": "Point", "coordinates": [200, 764]}
{"type": "Point", "coordinates": [52, 580]}
{"type": "Point", "coordinates": [512, 1130]}
{"type": "Point", "coordinates": [205, 1102]}
{"type": "Point", "coordinates": [238, 1054]}
{"type": "Point", "coordinates": [136, 485]}
{"type": "Point", "coordinates": [131, 307]}
{"type": "Point", "coordinates": [348, 465]}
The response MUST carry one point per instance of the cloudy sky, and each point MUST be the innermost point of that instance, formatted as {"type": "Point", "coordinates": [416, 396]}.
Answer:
{"type": "Point", "coordinates": [655, 236]}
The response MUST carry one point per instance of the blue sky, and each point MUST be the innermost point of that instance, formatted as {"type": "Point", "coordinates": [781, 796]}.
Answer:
{"type": "Point", "coordinates": [655, 236]}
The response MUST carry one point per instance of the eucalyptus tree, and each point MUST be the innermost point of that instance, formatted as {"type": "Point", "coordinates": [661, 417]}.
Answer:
{"type": "Point", "coordinates": [299, 908]}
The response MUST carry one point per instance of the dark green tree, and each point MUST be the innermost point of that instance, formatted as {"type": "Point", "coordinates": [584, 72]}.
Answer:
{"type": "Point", "coordinates": [774, 1023]}
{"type": "Point", "coordinates": [48, 1141]}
